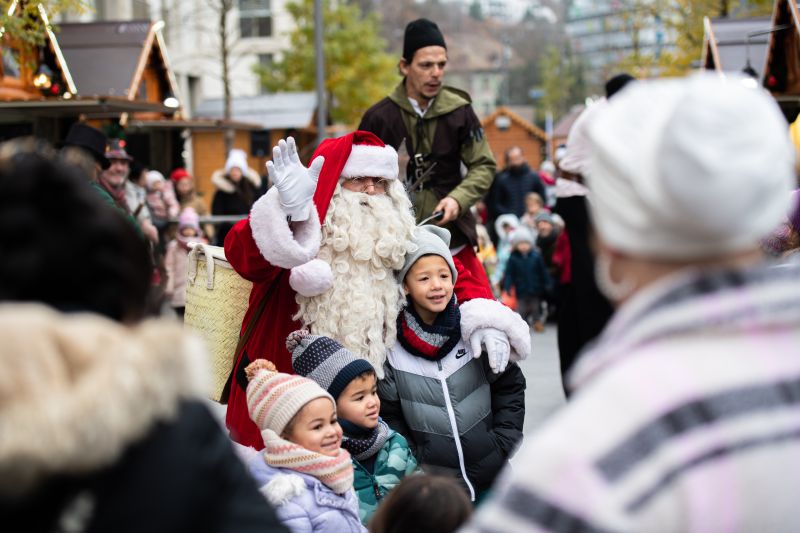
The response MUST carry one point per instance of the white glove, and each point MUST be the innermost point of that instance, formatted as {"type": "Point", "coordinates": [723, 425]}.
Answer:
{"type": "Point", "coordinates": [295, 183]}
{"type": "Point", "coordinates": [497, 347]}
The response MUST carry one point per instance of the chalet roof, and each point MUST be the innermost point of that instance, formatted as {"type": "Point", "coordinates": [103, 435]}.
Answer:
{"type": "Point", "coordinates": [564, 124]}
{"type": "Point", "coordinates": [515, 119]}
{"type": "Point", "coordinates": [272, 111]}
{"type": "Point", "coordinates": [108, 58]}
{"type": "Point", "coordinates": [60, 61]}
{"type": "Point", "coordinates": [725, 44]}
{"type": "Point", "coordinates": [782, 67]}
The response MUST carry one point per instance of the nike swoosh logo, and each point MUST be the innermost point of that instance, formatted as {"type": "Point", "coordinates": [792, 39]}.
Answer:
{"type": "Point", "coordinates": [461, 353]}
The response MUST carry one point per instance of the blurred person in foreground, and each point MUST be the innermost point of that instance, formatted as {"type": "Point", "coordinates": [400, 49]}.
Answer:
{"type": "Point", "coordinates": [102, 424]}
{"type": "Point", "coordinates": [686, 413]}
{"type": "Point", "coordinates": [423, 504]}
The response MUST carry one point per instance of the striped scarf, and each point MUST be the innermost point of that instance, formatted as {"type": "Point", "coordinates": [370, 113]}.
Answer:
{"type": "Point", "coordinates": [429, 342]}
{"type": "Point", "coordinates": [336, 473]}
{"type": "Point", "coordinates": [363, 443]}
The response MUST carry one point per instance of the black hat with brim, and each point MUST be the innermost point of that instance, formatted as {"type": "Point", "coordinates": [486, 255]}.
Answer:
{"type": "Point", "coordinates": [419, 34]}
{"type": "Point", "coordinates": [90, 139]}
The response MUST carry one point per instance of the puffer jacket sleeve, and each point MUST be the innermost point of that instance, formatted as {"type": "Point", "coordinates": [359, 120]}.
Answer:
{"type": "Point", "coordinates": [391, 409]}
{"type": "Point", "coordinates": [508, 406]}
{"type": "Point", "coordinates": [295, 518]}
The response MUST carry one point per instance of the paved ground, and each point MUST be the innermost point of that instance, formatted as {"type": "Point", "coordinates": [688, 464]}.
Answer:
{"type": "Point", "coordinates": [543, 376]}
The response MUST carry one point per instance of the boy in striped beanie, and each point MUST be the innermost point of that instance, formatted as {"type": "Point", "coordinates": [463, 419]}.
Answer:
{"type": "Point", "coordinates": [302, 458]}
{"type": "Point", "coordinates": [381, 457]}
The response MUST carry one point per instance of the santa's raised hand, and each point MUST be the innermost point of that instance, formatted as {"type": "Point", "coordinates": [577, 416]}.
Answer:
{"type": "Point", "coordinates": [295, 183]}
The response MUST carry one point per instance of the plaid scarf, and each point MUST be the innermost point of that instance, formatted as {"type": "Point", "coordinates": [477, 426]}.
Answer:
{"type": "Point", "coordinates": [429, 342]}
{"type": "Point", "coordinates": [335, 473]}
{"type": "Point", "coordinates": [363, 443]}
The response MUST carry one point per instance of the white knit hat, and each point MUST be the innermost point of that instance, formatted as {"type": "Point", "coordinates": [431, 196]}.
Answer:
{"type": "Point", "coordinates": [152, 177]}
{"type": "Point", "coordinates": [274, 398]}
{"type": "Point", "coordinates": [689, 168]}
{"type": "Point", "coordinates": [429, 240]}
{"type": "Point", "coordinates": [236, 158]}
{"type": "Point", "coordinates": [521, 234]}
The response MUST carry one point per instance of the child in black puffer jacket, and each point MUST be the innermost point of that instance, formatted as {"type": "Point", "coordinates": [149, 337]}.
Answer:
{"type": "Point", "coordinates": [460, 418]}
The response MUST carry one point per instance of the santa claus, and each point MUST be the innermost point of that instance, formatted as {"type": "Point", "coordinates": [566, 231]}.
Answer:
{"type": "Point", "coordinates": [322, 248]}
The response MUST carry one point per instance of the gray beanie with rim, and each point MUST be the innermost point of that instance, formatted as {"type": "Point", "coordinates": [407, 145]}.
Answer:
{"type": "Point", "coordinates": [430, 240]}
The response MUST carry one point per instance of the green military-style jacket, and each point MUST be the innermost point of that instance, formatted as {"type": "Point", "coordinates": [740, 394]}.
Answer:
{"type": "Point", "coordinates": [447, 136]}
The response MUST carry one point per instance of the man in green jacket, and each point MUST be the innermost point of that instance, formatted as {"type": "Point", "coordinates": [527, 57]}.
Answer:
{"type": "Point", "coordinates": [442, 133]}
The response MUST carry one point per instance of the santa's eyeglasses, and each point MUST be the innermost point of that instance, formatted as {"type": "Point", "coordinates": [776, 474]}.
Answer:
{"type": "Point", "coordinates": [363, 183]}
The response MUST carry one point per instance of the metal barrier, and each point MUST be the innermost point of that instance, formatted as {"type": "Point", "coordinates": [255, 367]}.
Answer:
{"type": "Point", "coordinates": [216, 219]}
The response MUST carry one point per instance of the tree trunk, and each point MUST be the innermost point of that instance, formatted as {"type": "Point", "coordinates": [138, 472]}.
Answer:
{"type": "Point", "coordinates": [225, 7]}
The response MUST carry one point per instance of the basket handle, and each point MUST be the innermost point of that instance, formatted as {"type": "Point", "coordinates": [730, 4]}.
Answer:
{"type": "Point", "coordinates": [198, 249]}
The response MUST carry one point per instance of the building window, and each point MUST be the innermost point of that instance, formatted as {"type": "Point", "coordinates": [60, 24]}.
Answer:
{"type": "Point", "coordinates": [255, 18]}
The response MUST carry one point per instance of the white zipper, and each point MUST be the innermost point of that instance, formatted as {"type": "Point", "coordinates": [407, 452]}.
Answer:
{"type": "Point", "coordinates": [456, 435]}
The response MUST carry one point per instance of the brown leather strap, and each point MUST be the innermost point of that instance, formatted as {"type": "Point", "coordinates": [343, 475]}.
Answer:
{"type": "Point", "coordinates": [243, 338]}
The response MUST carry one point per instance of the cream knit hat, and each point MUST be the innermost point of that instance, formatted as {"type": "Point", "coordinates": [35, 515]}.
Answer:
{"type": "Point", "coordinates": [689, 168]}
{"type": "Point", "coordinates": [274, 398]}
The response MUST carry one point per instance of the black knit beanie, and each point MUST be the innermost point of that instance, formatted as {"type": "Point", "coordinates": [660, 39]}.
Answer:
{"type": "Point", "coordinates": [419, 34]}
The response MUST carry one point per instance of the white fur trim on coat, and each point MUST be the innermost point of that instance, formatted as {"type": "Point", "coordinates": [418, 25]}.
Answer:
{"type": "Point", "coordinates": [484, 313]}
{"type": "Point", "coordinates": [312, 278]}
{"type": "Point", "coordinates": [371, 161]}
{"type": "Point", "coordinates": [283, 488]}
{"type": "Point", "coordinates": [279, 244]}
{"type": "Point", "coordinates": [225, 185]}
{"type": "Point", "coordinates": [86, 389]}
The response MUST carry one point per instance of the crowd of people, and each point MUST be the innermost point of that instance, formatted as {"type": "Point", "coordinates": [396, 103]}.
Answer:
{"type": "Point", "coordinates": [376, 385]}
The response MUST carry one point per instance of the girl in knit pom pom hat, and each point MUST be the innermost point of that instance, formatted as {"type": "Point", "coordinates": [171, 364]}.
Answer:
{"type": "Point", "coordinates": [176, 260]}
{"type": "Point", "coordinates": [302, 471]}
{"type": "Point", "coordinates": [462, 418]}
{"type": "Point", "coordinates": [381, 456]}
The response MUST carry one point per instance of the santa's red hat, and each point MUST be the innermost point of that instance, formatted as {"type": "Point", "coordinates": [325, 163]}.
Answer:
{"type": "Point", "coordinates": [357, 154]}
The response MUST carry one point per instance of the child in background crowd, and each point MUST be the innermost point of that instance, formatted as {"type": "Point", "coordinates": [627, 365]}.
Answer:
{"type": "Point", "coordinates": [486, 251]}
{"type": "Point", "coordinates": [302, 470]}
{"type": "Point", "coordinates": [177, 258]}
{"type": "Point", "coordinates": [534, 205]}
{"type": "Point", "coordinates": [381, 456]}
{"type": "Point", "coordinates": [184, 186]}
{"type": "Point", "coordinates": [462, 419]}
{"type": "Point", "coordinates": [161, 200]}
{"type": "Point", "coordinates": [423, 504]}
{"type": "Point", "coordinates": [527, 274]}
{"type": "Point", "coordinates": [545, 240]}
{"type": "Point", "coordinates": [505, 226]}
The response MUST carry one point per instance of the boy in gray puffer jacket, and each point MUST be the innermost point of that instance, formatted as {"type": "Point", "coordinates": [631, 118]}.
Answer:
{"type": "Point", "coordinates": [460, 418]}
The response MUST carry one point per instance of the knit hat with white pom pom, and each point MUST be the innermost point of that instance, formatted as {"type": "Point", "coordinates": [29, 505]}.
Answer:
{"type": "Point", "coordinates": [274, 398]}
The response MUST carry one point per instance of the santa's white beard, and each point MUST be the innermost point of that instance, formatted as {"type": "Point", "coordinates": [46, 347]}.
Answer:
{"type": "Point", "coordinates": [364, 240]}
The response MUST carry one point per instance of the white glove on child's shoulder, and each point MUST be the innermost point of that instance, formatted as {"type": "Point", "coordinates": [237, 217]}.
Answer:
{"type": "Point", "coordinates": [498, 349]}
{"type": "Point", "coordinates": [295, 183]}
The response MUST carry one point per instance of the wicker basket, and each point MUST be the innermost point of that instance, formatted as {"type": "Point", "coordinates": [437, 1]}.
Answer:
{"type": "Point", "coordinates": [216, 300]}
